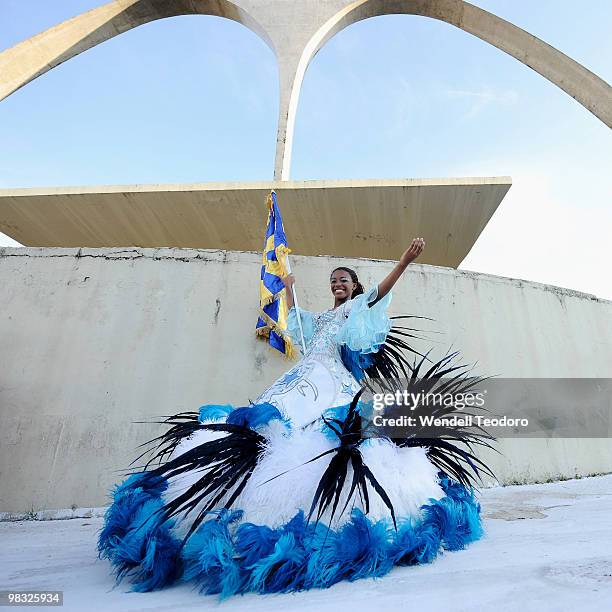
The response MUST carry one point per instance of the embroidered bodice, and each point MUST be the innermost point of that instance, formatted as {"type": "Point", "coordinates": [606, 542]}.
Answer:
{"type": "Point", "coordinates": [326, 326]}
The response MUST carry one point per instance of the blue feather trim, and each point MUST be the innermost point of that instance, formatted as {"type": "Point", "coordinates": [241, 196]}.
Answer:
{"type": "Point", "coordinates": [340, 413]}
{"type": "Point", "coordinates": [355, 361]}
{"type": "Point", "coordinates": [209, 556]}
{"type": "Point", "coordinates": [255, 415]}
{"type": "Point", "coordinates": [226, 557]}
{"type": "Point", "coordinates": [133, 539]}
{"type": "Point", "coordinates": [214, 412]}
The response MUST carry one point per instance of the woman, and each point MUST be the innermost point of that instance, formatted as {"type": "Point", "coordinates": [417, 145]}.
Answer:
{"type": "Point", "coordinates": [298, 490]}
{"type": "Point", "coordinates": [321, 380]}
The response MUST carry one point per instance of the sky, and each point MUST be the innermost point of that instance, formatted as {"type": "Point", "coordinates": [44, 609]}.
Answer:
{"type": "Point", "coordinates": [195, 99]}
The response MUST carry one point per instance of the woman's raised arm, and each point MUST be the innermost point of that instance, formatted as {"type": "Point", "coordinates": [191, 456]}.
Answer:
{"type": "Point", "coordinates": [412, 252]}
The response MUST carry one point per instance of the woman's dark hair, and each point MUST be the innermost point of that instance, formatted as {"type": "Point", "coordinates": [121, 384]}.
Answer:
{"type": "Point", "coordinates": [359, 288]}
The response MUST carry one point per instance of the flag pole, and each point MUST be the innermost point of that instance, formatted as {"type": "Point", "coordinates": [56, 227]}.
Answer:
{"type": "Point", "coordinates": [297, 308]}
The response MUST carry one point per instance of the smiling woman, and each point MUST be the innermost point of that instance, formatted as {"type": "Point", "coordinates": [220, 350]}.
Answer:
{"type": "Point", "coordinates": [293, 492]}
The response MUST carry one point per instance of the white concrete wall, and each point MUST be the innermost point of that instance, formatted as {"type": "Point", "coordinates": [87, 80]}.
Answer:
{"type": "Point", "coordinates": [92, 341]}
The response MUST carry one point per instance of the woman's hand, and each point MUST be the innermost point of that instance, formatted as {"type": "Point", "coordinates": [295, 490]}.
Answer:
{"type": "Point", "coordinates": [288, 281]}
{"type": "Point", "coordinates": [414, 250]}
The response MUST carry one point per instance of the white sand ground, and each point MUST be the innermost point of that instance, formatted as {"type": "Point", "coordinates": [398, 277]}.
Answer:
{"type": "Point", "coordinates": [547, 547]}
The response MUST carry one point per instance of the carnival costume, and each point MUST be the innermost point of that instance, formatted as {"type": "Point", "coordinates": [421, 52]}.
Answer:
{"type": "Point", "coordinates": [291, 492]}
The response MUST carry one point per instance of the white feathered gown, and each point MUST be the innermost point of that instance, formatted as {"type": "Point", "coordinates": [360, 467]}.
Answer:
{"type": "Point", "coordinates": [269, 540]}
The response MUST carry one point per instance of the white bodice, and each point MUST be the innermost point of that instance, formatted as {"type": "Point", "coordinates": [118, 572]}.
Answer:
{"type": "Point", "coordinates": [319, 381]}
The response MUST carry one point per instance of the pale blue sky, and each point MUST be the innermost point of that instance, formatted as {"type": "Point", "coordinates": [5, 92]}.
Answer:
{"type": "Point", "coordinates": [194, 99]}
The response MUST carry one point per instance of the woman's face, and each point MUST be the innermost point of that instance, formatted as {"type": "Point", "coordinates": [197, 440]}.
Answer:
{"type": "Point", "coordinates": [342, 286]}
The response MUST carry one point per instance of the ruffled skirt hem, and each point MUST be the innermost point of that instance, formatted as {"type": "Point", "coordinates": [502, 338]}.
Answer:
{"type": "Point", "coordinates": [228, 556]}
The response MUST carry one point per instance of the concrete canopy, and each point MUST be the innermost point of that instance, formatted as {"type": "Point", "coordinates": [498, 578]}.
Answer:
{"type": "Point", "coordinates": [353, 218]}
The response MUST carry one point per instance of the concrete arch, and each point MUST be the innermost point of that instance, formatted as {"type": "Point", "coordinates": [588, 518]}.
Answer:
{"type": "Point", "coordinates": [35, 56]}
{"type": "Point", "coordinates": [295, 30]}
{"type": "Point", "coordinates": [584, 86]}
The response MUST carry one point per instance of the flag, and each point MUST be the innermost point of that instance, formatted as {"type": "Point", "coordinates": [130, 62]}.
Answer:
{"type": "Point", "coordinates": [272, 322]}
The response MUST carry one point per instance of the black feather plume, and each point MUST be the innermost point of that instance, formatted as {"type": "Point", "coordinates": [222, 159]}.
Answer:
{"type": "Point", "coordinates": [391, 363]}
{"type": "Point", "coordinates": [331, 484]}
{"type": "Point", "coordinates": [182, 426]}
{"type": "Point", "coordinates": [450, 448]}
{"type": "Point", "coordinates": [224, 466]}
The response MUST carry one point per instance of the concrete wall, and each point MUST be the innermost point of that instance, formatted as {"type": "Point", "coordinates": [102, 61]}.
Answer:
{"type": "Point", "coordinates": [93, 340]}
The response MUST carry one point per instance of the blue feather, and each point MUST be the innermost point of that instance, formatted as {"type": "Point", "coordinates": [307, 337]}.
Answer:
{"type": "Point", "coordinates": [254, 542]}
{"type": "Point", "coordinates": [281, 570]}
{"type": "Point", "coordinates": [355, 361]}
{"type": "Point", "coordinates": [134, 541]}
{"type": "Point", "coordinates": [337, 413]}
{"type": "Point", "coordinates": [362, 547]}
{"type": "Point", "coordinates": [209, 556]}
{"type": "Point", "coordinates": [256, 415]}
{"type": "Point", "coordinates": [214, 412]}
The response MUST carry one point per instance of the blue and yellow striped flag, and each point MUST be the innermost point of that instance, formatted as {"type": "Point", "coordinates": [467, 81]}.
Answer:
{"type": "Point", "coordinates": [272, 322]}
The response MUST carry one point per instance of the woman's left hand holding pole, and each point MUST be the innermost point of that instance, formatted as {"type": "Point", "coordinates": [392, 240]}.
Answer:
{"type": "Point", "coordinates": [289, 282]}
